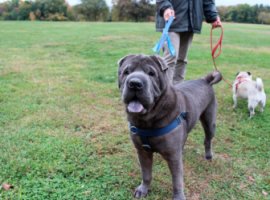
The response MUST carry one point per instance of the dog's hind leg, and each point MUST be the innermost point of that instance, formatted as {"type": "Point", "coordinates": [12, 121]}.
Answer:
{"type": "Point", "coordinates": [234, 101]}
{"type": "Point", "coordinates": [262, 105]}
{"type": "Point", "coordinates": [251, 111]}
{"type": "Point", "coordinates": [252, 104]}
{"type": "Point", "coordinates": [208, 120]}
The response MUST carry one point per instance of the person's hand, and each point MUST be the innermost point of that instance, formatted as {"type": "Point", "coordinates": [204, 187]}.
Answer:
{"type": "Point", "coordinates": [217, 23]}
{"type": "Point", "coordinates": [168, 13]}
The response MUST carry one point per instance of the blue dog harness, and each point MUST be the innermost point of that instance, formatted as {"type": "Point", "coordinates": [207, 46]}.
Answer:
{"type": "Point", "coordinates": [165, 37]}
{"type": "Point", "coordinates": [146, 133]}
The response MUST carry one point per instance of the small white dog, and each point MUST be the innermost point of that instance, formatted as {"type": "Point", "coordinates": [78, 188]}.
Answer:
{"type": "Point", "coordinates": [244, 87]}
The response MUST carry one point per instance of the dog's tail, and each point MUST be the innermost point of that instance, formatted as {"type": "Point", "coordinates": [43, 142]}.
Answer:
{"type": "Point", "coordinates": [213, 77]}
{"type": "Point", "coordinates": [259, 84]}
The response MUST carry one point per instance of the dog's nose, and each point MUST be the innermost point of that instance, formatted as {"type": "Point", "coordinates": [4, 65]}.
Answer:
{"type": "Point", "coordinates": [135, 84]}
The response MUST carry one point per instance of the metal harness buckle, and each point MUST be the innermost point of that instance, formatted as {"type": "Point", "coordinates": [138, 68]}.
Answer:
{"type": "Point", "coordinates": [146, 147]}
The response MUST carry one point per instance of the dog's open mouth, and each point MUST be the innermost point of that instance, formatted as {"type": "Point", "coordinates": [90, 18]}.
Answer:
{"type": "Point", "coordinates": [135, 107]}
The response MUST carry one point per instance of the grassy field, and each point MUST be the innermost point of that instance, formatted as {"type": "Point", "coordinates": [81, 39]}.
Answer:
{"type": "Point", "coordinates": [63, 130]}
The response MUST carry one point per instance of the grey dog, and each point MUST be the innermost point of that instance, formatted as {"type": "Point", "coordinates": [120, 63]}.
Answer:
{"type": "Point", "coordinates": [153, 104]}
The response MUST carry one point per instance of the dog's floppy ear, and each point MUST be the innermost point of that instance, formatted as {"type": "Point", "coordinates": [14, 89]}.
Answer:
{"type": "Point", "coordinates": [120, 63]}
{"type": "Point", "coordinates": [160, 62]}
{"type": "Point", "coordinates": [237, 73]}
{"type": "Point", "coordinates": [249, 73]}
{"type": "Point", "coordinates": [122, 60]}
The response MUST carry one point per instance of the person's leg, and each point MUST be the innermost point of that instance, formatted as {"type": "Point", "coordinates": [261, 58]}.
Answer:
{"type": "Point", "coordinates": [169, 59]}
{"type": "Point", "coordinates": [181, 62]}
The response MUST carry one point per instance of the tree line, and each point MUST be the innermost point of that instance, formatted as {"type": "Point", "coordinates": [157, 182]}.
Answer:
{"type": "Point", "coordinates": [121, 10]}
{"type": "Point", "coordinates": [244, 13]}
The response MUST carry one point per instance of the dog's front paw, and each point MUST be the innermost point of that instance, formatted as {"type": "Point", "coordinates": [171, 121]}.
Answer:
{"type": "Point", "coordinates": [180, 196]}
{"type": "Point", "coordinates": [208, 155]}
{"type": "Point", "coordinates": [141, 191]}
{"type": "Point", "coordinates": [251, 114]}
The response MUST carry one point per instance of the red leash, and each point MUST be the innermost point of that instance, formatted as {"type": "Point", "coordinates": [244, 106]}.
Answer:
{"type": "Point", "coordinates": [218, 46]}
{"type": "Point", "coordinates": [216, 50]}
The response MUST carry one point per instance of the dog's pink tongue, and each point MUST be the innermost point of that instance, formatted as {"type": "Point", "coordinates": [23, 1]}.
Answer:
{"type": "Point", "coordinates": [135, 107]}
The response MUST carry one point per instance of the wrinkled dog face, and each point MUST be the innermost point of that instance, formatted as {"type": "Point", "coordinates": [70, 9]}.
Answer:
{"type": "Point", "coordinates": [141, 82]}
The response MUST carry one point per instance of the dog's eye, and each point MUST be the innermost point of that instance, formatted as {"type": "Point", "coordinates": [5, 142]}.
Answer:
{"type": "Point", "coordinates": [151, 73]}
{"type": "Point", "coordinates": [126, 72]}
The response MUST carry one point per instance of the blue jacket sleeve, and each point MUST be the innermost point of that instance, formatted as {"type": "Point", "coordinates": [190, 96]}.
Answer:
{"type": "Point", "coordinates": [162, 5]}
{"type": "Point", "coordinates": [210, 11]}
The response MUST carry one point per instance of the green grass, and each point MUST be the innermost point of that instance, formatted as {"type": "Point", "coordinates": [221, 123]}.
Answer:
{"type": "Point", "coordinates": [63, 130]}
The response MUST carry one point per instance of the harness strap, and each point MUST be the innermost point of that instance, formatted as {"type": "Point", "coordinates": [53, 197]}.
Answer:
{"type": "Point", "coordinates": [145, 143]}
{"type": "Point", "coordinates": [240, 80]}
{"type": "Point", "coordinates": [145, 134]}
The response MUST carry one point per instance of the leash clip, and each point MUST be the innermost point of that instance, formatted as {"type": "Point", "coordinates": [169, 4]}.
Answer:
{"type": "Point", "coordinates": [146, 147]}
{"type": "Point", "coordinates": [133, 129]}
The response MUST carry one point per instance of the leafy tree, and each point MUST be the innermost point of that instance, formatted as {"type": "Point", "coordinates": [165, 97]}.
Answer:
{"type": "Point", "coordinates": [93, 10]}
{"type": "Point", "coordinates": [24, 10]}
{"type": "Point", "coordinates": [223, 11]}
{"type": "Point", "coordinates": [121, 10]}
{"type": "Point", "coordinates": [244, 13]}
{"type": "Point", "coordinates": [51, 10]}
{"type": "Point", "coordinates": [132, 10]}
{"type": "Point", "coordinates": [11, 10]}
{"type": "Point", "coordinates": [3, 10]}
{"type": "Point", "coordinates": [264, 17]}
{"type": "Point", "coordinates": [141, 10]}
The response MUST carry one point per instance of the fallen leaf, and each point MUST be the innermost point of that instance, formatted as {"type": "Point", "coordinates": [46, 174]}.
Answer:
{"type": "Point", "coordinates": [251, 179]}
{"type": "Point", "coordinates": [264, 193]}
{"type": "Point", "coordinates": [7, 186]}
{"type": "Point", "coordinates": [226, 155]}
{"type": "Point", "coordinates": [242, 186]}
{"type": "Point", "coordinates": [132, 174]}
{"type": "Point", "coordinates": [195, 196]}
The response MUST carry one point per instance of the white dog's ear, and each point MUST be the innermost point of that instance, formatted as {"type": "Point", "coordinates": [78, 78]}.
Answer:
{"type": "Point", "coordinates": [160, 62]}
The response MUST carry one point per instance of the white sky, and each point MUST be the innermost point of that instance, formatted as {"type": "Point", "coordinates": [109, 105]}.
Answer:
{"type": "Point", "coordinates": [218, 2]}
